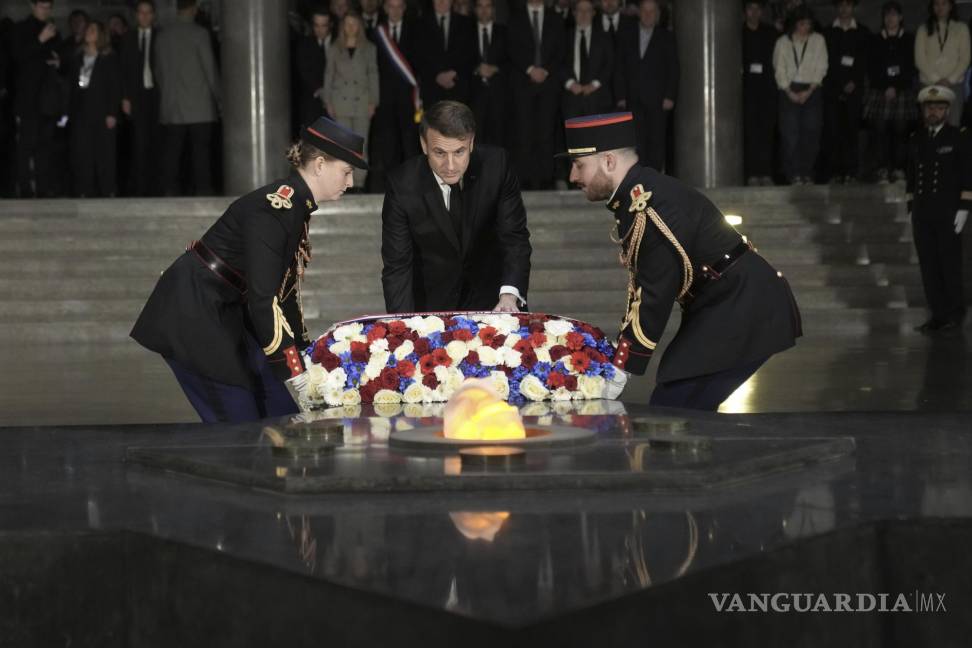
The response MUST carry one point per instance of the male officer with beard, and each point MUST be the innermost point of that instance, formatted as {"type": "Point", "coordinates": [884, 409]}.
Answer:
{"type": "Point", "coordinates": [737, 310]}
{"type": "Point", "coordinates": [939, 194]}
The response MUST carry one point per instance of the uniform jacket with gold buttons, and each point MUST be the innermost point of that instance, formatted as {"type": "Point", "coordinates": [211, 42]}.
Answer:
{"type": "Point", "coordinates": [200, 320]}
{"type": "Point", "coordinates": [939, 172]}
{"type": "Point", "coordinates": [746, 315]}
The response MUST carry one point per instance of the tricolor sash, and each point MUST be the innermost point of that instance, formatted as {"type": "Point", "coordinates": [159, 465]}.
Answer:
{"type": "Point", "coordinates": [401, 64]}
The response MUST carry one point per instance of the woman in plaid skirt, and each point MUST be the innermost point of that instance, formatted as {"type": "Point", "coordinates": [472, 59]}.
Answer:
{"type": "Point", "coordinates": [890, 106]}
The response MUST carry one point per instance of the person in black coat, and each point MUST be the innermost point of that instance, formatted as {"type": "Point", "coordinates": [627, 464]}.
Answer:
{"type": "Point", "coordinates": [737, 310]}
{"type": "Point", "coordinates": [491, 82]}
{"type": "Point", "coordinates": [612, 20]}
{"type": "Point", "coordinates": [38, 100]}
{"type": "Point", "coordinates": [891, 106]}
{"type": "Point", "coordinates": [848, 43]}
{"type": "Point", "coordinates": [140, 101]}
{"type": "Point", "coordinates": [759, 95]}
{"type": "Point", "coordinates": [588, 68]}
{"type": "Point", "coordinates": [395, 136]}
{"type": "Point", "coordinates": [226, 316]}
{"type": "Point", "coordinates": [311, 61]}
{"type": "Point", "coordinates": [454, 233]}
{"type": "Point", "coordinates": [646, 81]}
{"type": "Point", "coordinates": [6, 119]}
{"type": "Point", "coordinates": [537, 86]}
{"type": "Point", "coordinates": [446, 54]}
{"type": "Point", "coordinates": [96, 94]}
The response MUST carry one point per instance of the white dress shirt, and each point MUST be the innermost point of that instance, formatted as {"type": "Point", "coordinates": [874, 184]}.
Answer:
{"type": "Point", "coordinates": [607, 22]}
{"type": "Point", "coordinates": [445, 26]}
{"type": "Point", "coordinates": [446, 190]}
{"type": "Point", "coordinates": [148, 81]}
{"type": "Point", "coordinates": [395, 30]}
{"type": "Point", "coordinates": [586, 31]}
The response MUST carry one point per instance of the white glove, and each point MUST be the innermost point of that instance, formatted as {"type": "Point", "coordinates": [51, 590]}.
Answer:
{"type": "Point", "coordinates": [297, 386]}
{"type": "Point", "coordinates": [960, 218]}
{"type": "Point", "coordinates": [614, 387]}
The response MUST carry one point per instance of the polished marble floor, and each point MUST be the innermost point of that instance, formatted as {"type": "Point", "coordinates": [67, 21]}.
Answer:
{"type": "Point", "coordinates": [64, 383]}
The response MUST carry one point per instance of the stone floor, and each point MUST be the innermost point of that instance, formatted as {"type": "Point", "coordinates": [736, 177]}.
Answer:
{"type": "Point", "coordinates": [65, 384]}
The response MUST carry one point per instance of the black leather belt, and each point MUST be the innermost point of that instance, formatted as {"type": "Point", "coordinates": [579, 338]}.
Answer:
{"type": "Point", "coordinates": [220, 268]}
{"type": "Point", "coordinates": [714, 271]}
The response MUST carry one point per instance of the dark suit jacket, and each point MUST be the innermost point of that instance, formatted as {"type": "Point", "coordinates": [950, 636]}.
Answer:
{"type": "Point", "coordinates": [497, 55]}
{"type": "Point", "coordinates": [393, 88]}
{"type": "Point", "coordinates": [459, 56]}
{"type": "Point", "coordinates": [37, 87]}
{"type": "Point", "coordinates": [131, 62]}
{"type": "Point", "coordinates": [552, 43]}
{"type": "Point", "coordinates": [102, 97]}
{"type": "Point", "coordinates": [311, 63]}
{"type": "Point", "coordinates": [649, 80]}
{"type": "Point", "coordinates": [600, 66]}
{"type": "Point", "coordinates": [426, 267]}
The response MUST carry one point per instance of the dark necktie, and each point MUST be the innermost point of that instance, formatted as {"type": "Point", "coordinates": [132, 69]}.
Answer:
{"type": "Point", "coordinates": [583, 57]}
{"type": "Point", "coordinates": [537, 59]}
{"type": "Point", "coordinates": [455, 210]}
{"type": "Point", "coordinates": [442, 28]}
{"type": "Point", "coordinates": [395, 33]}
{"type": "Point", "coordinates": [485, 53]}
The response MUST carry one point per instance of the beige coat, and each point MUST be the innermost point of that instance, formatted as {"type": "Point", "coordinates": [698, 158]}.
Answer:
{"type": "Point", "coordinates": [351, 82]}
{"type": "Point", "coordinates": [935, 62]}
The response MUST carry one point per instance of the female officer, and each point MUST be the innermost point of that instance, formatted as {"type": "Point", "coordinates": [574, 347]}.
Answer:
{"type": "Point", "coordinates": [226, 316]}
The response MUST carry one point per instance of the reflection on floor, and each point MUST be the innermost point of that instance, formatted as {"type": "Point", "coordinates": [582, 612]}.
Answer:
{"type": "Point", "coordinates": [61, 384]}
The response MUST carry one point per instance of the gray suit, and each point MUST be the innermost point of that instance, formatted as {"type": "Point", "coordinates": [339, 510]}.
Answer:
{"type": "Point", "coordinates": [186, 74]}
{"type": "Point", "coordinates": [351, 86]}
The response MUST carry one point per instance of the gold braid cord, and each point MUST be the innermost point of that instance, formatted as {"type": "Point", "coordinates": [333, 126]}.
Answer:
{"type": "Point", "coordinates": [279, 326]}
{"type": "Point", "coordinates": [301, 260]}
{"type": "Point", "coordinates": [686, 263]}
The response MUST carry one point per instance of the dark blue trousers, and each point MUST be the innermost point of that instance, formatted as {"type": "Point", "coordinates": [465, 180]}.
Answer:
{"type": "Point", "coordinates": [221, 403]}
{"type": "Point", "coordinates": [703, 392]}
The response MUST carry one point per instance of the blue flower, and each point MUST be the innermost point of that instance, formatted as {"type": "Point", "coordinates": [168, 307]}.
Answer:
{"type": "Point", "coordinates": [608, 371]}
{"type": "Point", "coordinates": [435, 340]}
{"type": "Point", "coordinates": [392, 361]}
{"type": "Point", "coordinates": [519, 374]}
{"type": "Point", "coordinates": [404, 384]}
{"type": "Point", "coordinates": [541, 370]}
{"type": "Point", "coordinates": [465, 323]}
{"type": "Point", "coordinates": [589, 340]}
{"type": "Point", "coordinates": [413, 358]}
{"type": "Point", "coordinates": [345, 359]}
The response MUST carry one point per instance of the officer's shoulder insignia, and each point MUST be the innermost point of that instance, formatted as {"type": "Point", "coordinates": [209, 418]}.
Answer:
{"type": "Point", "coordinates": [615, 204]}
{"type": "Point", "coordinates": [310, 204]}
{"type": "Point", "coordinates": [639, 199]}
{"type": "Point", "coordinates": [280, 199]}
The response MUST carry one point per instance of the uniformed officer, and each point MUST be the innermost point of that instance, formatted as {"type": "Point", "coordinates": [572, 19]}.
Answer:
{"type": "Point", "coordinates": [226, 316]}
{"type": "Point", "coordinates": [737, 310]}
{"type": "Point", "coordinates": [939, 194]}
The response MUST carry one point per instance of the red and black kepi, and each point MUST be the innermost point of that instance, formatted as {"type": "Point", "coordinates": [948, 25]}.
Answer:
{"type": "Point", "coordinates": [336, 140]}
{"type": "Point", "coordinates": [598, 133]}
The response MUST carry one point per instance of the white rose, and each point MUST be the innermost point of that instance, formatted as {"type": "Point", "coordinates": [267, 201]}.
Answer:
{"type": "Point", "coordinates": [488, 357]}
{"type": "Point", "coordinates": [387, 397]}
{"type": "Point", "coordinates": [511, 340]}
{"type": "Point", "coordinates": [316, 375]}
{"type": "Point", "coordinates": [358, 338]}
{"type": "Point", "coordinates": [336, 379]}
{"type": "Point", "coordinates": [455, 378]}
{"type": "Point", "coordinates": [512, 358]}
{"type": "Point", "coordinates": [334, 397]}
{"type": "Point", "coordinates": [376, 364]}
{"type": "Point", "coordinates": [351, 397]}
{"type": "Point", "coordinates": [441, 373]}
{"type": "Point", "coordinates": [474, 343]}
{"type": "Point", "coordinates": [500, 383]}
{"type": "Point", "coordinates": [533, 389]}
{"type": "Point", "coordinates": [504, 324]}
{"type": "Point", "coordinates": [415, 323]}
{"type": "Point", "coordinates": [561, 394]}
{"type": "Point", "coordinates": [590, 386]}
{"type": "Point", "coordinates": [414, 393]}
{"type": "Point", "coordinates": [430, 395]}
{"type": "Point", "coordinates": [364, 380]}
{"type": "Point", "coordinates": [379, 346]}
{"type": "Point", "coordinates": [457, 350]}
{"type": "Point", "coordinates": [348, 331]}
{"type": "Point", "coordinates": [340, 347]}
{"type": "Point", "coordinates": [557, 328]}
{"type": "Point", "coordinates": [404, 350]}
{"type": "Point", "coordinates": [543, 355]}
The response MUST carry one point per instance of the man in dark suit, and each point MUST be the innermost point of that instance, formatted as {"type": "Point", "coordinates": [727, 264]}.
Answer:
{"type": "Point", "coordinates": [454, 233]}
{"type": "Point", "coordinates": [537, 51]}
{"type": "Point", "coordinates": [395, 131]}
{"type": "Point", "coordinates": [446, 54]}
{"type": "Point", "coordinates": [140, 100]}
{"type": "Point", "coordinates": [371, 17]}
{"type": "Point", "coordinates": [311, 61]}
{"type": "Point", "coordinates": [588, 66]}
{"type": "Point", "coordinates": [612, 20]}
{"type": "Point", "coordinates": [646, 81]}
{"type": "Point", "coordinates": [490, 86]}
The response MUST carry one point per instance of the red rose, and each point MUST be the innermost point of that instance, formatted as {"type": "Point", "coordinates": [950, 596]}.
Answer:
{"type": "Point", "coordinates": [359, 352]}
{"type": "Point", "coordinates": [537, 340]}
{"type": "Point", "coordinates": [422, 347]}
{"type": "Point", "coordinates": [555, 380]}
{"type": "Point", "coordinates": [529, 359]}
{"type": "Point", "coordinates": [575, 341]}
{"type": "Point", "coordinates": [463, 335]}
{"type": "Point", "coordinates": [430, 381]}
{"type": "Point", "coordinates": [498, 341]}
{"type": "Point", "coordinates": [448, 337]}
{"type": "Point", "coordinates": [413, 336]}
{"type": "Point", "coordinates": [487, 334]}
{"type": "Point", "coordinates": [406, 369]}
{"type": "Point", "coordinates": [558, 352]}
{"type": "Point", "coordinates": [472, 358]}
{"type": "Point", "coordinates": [523, 318]}
{"type": "Point", "coordinates": [523, 346]}
{"type": "Point", "coordinates": [570, 382]}
{"type": "Point", "coordinates": [330, 361]}
{"type": "Point", "coordinates": [368, 391]}
{"type": "Point", "coordinates": [507, 370]}
{"type": "Point", "coordinates": [536, 327]}
{"type": "Point", "coordinates": [427, 364]}
{"type": "Point", "coordinates": [395, 341]}
{"type": "Point", "coordinates": [450, 322]}
{"type": "Point", "coordinates": [389, 378]}
{"type": "Point", "coordinates": [579, 362]}
{"type": "Point", "coordinates": [590, 352]}
{"type": "Point", "coordinates": [441, 358]}
{"type": "Point", "coordinates": [377, 333]}
{"type": "Point", "coordinates": [397, 328]}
